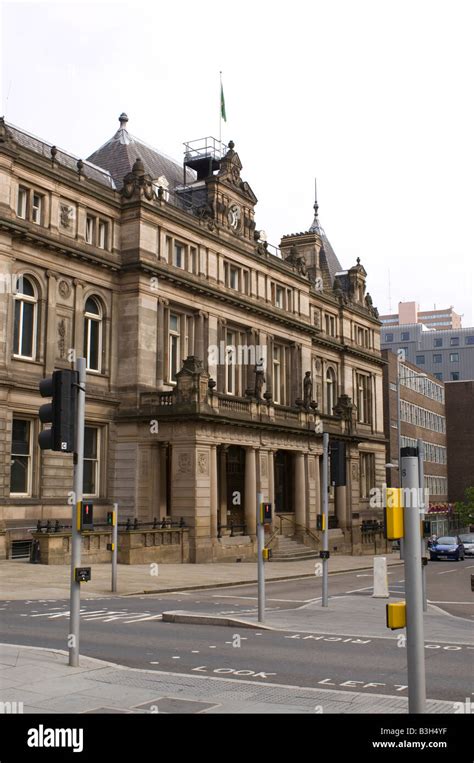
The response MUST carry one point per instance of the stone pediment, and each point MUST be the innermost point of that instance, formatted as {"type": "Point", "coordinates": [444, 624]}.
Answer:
{"type": "Point", "coordinates": [229, 173]}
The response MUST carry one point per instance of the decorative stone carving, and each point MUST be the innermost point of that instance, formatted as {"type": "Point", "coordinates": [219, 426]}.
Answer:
{"type": "Point", "coordinates": [297, 261]}
{"type": "Point", "coordinates": [203, 463]}
{"type": "Point", "coordinates": [64, 289]}
{"type": "Point", "coordinates": [62, 338]}
{"type": "Point", "coordinates": [355, 471]}
{"type": "Point", "coordinates": [66, 216]}
{"type": "Point", "coordinates": [184, 463]}
{"type": "Point", "coordinates": [259, 379]}
{"type": "Point", "coordinates": [308, 390]}
{"type": "Point", "coordinates": [138, 183]}
{"type": "Point", "coordinates": [346, 409]}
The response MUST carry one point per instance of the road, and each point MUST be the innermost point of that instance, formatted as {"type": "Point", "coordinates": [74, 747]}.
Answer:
{"type": "Point", "coordinates": [129, 631]}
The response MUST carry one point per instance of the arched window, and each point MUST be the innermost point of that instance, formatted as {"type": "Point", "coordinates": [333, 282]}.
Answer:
{"type": "Point", "coordinates": [93, 335]}
{"type": "Point", "coordinates": [26, 315]}
{"type": "Point", "coordinates": [330, 391]}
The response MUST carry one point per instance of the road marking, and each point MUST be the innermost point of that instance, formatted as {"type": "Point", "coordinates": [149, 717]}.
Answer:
{"type": "Point", "coordinates": [254, 598]}
{"type": "Point", "coordinates": [233, 671]}
{"type": "Point", "coordinates": [356, 590]}
{"type": "Point", "coordinates": [450, 602]}
{"type": "Point", "coordinates": [446, 572]}
{"type": "Point", "coordinates": [143, 619]}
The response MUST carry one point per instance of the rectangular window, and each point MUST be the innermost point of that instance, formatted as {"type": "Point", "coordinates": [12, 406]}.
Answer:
{"type": "Point", "coordinates": [439, 376]}
{"type": "Point", "coordinates": [20, 465]}
{"type": "Point", "coordinates": [231, 363]}
{"type": "Point", "coordinates": [438, 343]}
{"type": "Point", "coordinates": [454, 357]}
{"type": "Point", "coordinates": [22, 203]}
{"type": "Point", "coordinates": [178, 256]}
{"type": "Point", "coordinates": [174, 347]}
{"type": "Point", "coordinates": [454, 375]}
{"type": "Point", "coordinates": [279, 296]}
{"type": "Point", "coordinates": [454, 342]}
{"type": "Point", "coordinates": [363, 399]}
{"type": "Point", "coordinates": [367, 473]}
{"type": "Point", "coordinates": [389, 337]}
{"type": "Point", "coordinates": [36, 208]}
{"type": "Point", "coordinates": [91, 461]}
{"type": "Point", "coordinates": [90, 229]}
{"type": "Point", "coordinates": [405, 336]}
{"type": "Point", "coordinates": [420, 360]}
{"type": "Point", "coordinates": [330, 325]}
{"type": "Point", "coordinates": [234, 278]}
{"type": "Point", "coordinates": [437, 358]}
{"type": "Point", "coordinates": [193, 263]}
{"type": "Point", "coordinates": [102, 237]}
{"type": "Point", "coordinates": [470, 340]}
{"type": "Point", "coordinates": [278, 375]}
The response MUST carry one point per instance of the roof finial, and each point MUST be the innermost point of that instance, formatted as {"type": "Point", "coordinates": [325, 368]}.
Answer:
{"type": "Point", "coordinates": [316, 205]}
{"type": "Point", "coordinates": [123, 119]}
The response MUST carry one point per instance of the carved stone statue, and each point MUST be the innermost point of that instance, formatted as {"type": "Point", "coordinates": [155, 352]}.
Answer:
{"type": "Point", "coordinates": [259, 379]}
{"type": "Point", "coordinates": [308, 389]}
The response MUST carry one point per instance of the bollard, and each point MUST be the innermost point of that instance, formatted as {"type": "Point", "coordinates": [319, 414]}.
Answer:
{"type": "Point", "coordinates": [380, 578]}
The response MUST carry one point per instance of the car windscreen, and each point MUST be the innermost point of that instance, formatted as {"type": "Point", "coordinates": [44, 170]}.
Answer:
{"type": "Point", "coordinates": [447, 542]}
{"type": "Point", "coordinates": [467, 538]}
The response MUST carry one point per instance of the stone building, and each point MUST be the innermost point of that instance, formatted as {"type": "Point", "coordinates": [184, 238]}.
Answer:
{"type": "Point", "coordinates": [422, 416]}
{"type": "Point", "coordinates": [214, 360]}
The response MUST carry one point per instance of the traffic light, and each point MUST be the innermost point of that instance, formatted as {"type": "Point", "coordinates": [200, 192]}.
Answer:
{"type": "Point", "coordinates": [61, 412]}
{"type": "Point", "coordinates": [265, 513]}
{"type": "Point", "coordinates": [85, 519]}
{"type": "Point", "coordinates": [320, 522]}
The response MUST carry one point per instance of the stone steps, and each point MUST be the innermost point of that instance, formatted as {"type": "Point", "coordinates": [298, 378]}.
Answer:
{"type": "Point", "coordinates": [289, 550]}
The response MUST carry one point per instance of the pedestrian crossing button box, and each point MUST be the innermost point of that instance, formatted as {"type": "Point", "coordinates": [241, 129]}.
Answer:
{"type": "Point", "coordinates": [324, 554]}
{"type": "Point", "coordinates": [396, 615]}
{"type": "Point", "coordinates": [82, 574]}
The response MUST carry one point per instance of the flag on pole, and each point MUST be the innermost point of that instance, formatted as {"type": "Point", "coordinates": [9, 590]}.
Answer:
{"type": "Point", "coordinates": [223, 114]}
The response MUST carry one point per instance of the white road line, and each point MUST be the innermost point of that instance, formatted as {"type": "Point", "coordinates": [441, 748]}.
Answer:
{"type": "Point", "coordinates": [254, 598]}
{"type": "Point", "coordinates": [450, 602]}
{"type": "Point", "coordinates": [446, 572]}
{"type": "Point", "coordinates": [142, 619]}
{"type": "Point", "coordinates": [356, 590]}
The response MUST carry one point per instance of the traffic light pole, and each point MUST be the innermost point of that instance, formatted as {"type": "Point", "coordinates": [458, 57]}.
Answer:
{"type": "Point", "coordinates": [421, 472]}
{"type": "Point", "coordinates": [261, 563]}
{"type": "Point", "coordinates": [413, 582]}
{"type": "Point", "coordinates": [114, 548]}
{"type": "Point", "coordinates": [75, 604]}
{"type": "Point", "coordinates": [324, 600]}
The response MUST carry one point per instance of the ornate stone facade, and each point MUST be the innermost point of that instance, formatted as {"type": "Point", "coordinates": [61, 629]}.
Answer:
{"type": "Point", "coordinates": [145, 272]}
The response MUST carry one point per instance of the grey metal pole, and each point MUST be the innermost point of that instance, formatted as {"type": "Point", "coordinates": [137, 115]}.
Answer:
{"type": "Point", "coordinates": [260, 563]}
{"type": "Point", "coordinates": [413, 585]}
{"type": "Point", "coordinates": [399, 444]}
{"type": "Point", "coordinates": [114, 548]}
{"type": "Point", "coordinates": [324, 600]}
{"type": "Point", "coordinates": [421, 472]}
{"type": "Point", "coordinates": [75, 602]}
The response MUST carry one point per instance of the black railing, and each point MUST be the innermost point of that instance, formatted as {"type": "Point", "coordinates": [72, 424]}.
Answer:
{"type": "Point", "coordinates": [131, 524]}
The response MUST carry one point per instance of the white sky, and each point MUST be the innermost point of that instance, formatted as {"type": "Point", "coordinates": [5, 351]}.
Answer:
{"type": "Point", "coordinates": [374, 97]}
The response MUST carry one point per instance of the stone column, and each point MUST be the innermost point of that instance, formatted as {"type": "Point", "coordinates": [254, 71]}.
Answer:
{"type": "Point", "coordinates": [340, 505]}
{"type": "Point", "coordinates": [162, 479]}
{"type": "Point", "coordinates": [79, 318]}
{"type": "Point", "coordinates": [213, 501]}
{"type": "Point", "coordinates": [160, 344]}
{"type": "Point", "coordinates": [51, 337]}
{"type": "Point", "coordinates": [199, 335]}
{"type": "Point", "coordinates": [223, 485]}
{"type": "Point", "coordinates": [271, 480]}
{"type": "Point", "coordinates": [250, 491]}
{"type": "Point", "coordinates": [299, 488]}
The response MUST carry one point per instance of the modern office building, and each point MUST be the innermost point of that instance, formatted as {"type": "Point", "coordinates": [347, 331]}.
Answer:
{"type": "Point", "coordinates": [447, 355]}
{"type": "Point", "coordinates": [408, 312]}
{"type": "Point", "coordinates": [214, 361]}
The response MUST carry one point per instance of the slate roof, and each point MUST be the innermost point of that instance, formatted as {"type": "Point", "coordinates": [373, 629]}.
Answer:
{"type": "Point", "coordinates": [327, 255]}
{"type": "Point", "coordinates": [118, 155]}
{"type": "Point", "coordinates": [41, 147]}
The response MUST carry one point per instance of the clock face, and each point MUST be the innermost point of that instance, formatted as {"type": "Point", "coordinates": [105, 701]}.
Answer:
{"type": "Point", "coordinates": [233, 216]}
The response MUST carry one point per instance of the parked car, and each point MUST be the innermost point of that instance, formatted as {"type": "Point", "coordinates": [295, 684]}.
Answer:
{"type": "Point", "coordinates": [447, 547]}
{"type": "Point", "coordinates": [467, 539]}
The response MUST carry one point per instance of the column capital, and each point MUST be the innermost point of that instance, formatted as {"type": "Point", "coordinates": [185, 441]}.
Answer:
{"type": "Point", "coordinates": [78, 282]}
{"type": "Point", "coordinates": [52, 274]}
{"type": "Point", "coordinates": [163, 301]}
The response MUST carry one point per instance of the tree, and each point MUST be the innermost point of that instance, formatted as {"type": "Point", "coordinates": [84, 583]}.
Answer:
{"type": "Point", "coordinates": [465, 510]}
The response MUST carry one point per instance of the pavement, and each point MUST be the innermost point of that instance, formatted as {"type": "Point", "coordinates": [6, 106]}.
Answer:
{"type": "Point", "coordinates": [42, 681]}
{"type": "Point", "coordinates": [345, 615]}
{"type": "Point", "coordinates": [22, 580]}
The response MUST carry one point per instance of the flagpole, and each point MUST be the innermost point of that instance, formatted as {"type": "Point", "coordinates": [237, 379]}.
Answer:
{"type": "Point", "coordinates": [220, 111]}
